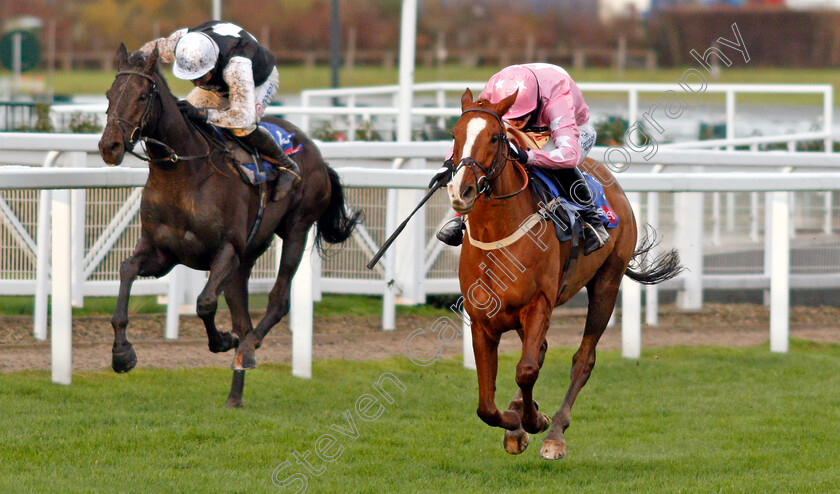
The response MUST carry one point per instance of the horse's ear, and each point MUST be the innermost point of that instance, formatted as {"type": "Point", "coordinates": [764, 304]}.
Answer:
{"type": "Point", "coordinates": [466, 99]}
{"type": "Point", "coordinates": [122, 57]}
{"type": "Point", "coordinates": [151, 62]}
{"type": "Point", "coordinates": [503, 106]}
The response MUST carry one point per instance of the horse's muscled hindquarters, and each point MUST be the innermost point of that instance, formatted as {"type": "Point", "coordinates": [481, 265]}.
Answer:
{"type": "Point", "coordinates": [195, 211]}
{"type": "Point", "coordinates": [516, 286]}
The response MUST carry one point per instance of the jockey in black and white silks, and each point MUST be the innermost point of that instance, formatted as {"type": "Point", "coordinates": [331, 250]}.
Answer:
{"type": "Point", "coordinates": [235, 80]}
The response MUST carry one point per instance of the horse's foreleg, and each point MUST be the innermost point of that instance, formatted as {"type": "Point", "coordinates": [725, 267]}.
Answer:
{"type": "Point", "coordinates": [602, 295]}
{"type": "Point", "coordinates": [143, 261]}
{"type": "Point", "coordinates": [278, 302]}
{"type": "Point", "coordinates": [535, 320]}
{"type": "Point", "coordinates": [236, 295]}
{"type": "Point", "coordinates": [517, 441]}
{"type": "Point", "coordinates": [485, 348]}
{"type": "Point", "coordinates": [223, 265]}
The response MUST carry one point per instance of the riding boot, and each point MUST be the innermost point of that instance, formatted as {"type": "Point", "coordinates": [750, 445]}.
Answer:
{"type": "Point", "coordinates": [577, 190]}
{"type": "Point", "coordinates": [289, 173]}
{"type": "Point", "coordinates": [452, 232]}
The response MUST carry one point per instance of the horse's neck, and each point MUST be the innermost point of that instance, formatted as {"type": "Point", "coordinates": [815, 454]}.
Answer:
{"type": "Point", "coordinates": [492, 219]}
{"type": "Point", "coordinates": [172, 130]}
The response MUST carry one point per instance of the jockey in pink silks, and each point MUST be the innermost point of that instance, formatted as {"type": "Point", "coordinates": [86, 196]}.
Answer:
{"type": "Point", "coordinates": [548, 100]}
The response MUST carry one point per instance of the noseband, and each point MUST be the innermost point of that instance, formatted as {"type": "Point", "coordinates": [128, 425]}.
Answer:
{"type": "Point", "coordinates": [134, 136]}
{"type": "Point", "coordinates": [497, 166]}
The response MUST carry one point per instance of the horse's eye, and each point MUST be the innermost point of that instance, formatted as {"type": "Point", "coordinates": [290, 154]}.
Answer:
{"type": "Point", "coordinates": [144, 97]}
{"type": "Point", "coordinates": [495, 138]}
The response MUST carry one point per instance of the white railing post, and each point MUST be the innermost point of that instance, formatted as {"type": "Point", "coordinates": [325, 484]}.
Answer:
{"type": "Point", "coordinates": [466, 334]}
{"type": "Point", "coordinates": [688, 212]}
{"type": "Point", "coordinates": [300, 313]}
{"type": "Point", "coordinates": [389, 302]}
{"type": "Point", "coordinates": [78, 160]}
{"type": "Point", "coordinates": [652, 291]}
{"type": "Point", "coordinates": [828, 118]}
{"type": "Point", "coordinates": [780, 273]}
{"type": "Point", "coordinates": [175, 296]}
{"type": "Point", "coordinates": [754, 216]}
{"type": "Point", "coordinates": [411, 244]}
{"type": "Point", "coordinates": [61, 339]}
{"type": "Point", "coordinates": [828, 202]}
{"type": "Point", "coordinates": [768, 241]}
{"type": "Point", "coordinates": [631, 304]}
{"type": "Point", "coordinates": [730, 116]}
{"type": "Point", "coordinates": [716, 218]}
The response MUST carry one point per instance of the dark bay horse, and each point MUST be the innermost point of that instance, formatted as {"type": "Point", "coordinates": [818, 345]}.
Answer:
{"type": "Point", "coordinates": [196, 211]}
{"type": "Point", "coordinates": [511, 276]}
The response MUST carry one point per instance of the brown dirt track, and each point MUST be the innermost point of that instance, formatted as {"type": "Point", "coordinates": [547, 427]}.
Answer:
{"type": "Point", "coordinates": [359, 338]}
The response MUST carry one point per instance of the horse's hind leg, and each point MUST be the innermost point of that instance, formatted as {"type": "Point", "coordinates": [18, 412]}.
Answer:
{"type": "Point", "coordinates": [602, 292]}
{"type": "Point", "coordinates": [145, 261]}
{"type": "Point", "coordinates": [236, 295]}
{"type": "Point", "coordinates": [278, 300]}
{"type": "Point", "coordinates": [517, 441]}
{"type": "Point", "coordinates": [223, 265]}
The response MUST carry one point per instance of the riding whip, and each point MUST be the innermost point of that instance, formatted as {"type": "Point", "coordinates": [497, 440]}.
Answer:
{"type": "Point", "coordinates": [400, 228]}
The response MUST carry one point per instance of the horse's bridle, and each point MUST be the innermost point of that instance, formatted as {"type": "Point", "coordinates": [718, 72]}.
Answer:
{"type": "Point", "coordinates": [497, 166]}
{"type": "Point", "coordinates": [135, 136]}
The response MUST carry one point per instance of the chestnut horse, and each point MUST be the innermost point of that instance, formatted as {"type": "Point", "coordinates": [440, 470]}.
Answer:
{"type": "Point", "coordinates": [196, 211]}
{"type": "Point", "coordinates": [511, 276]}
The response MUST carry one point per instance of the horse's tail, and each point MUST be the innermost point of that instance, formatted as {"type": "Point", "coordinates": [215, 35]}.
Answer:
{"type": "Point", "coordinates": [337, 222]}
{"type": "Point", "coordinates": [663, 267]}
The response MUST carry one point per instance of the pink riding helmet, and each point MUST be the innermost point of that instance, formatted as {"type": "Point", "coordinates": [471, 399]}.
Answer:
{"type": "Point", "coordinates": [506, 82]}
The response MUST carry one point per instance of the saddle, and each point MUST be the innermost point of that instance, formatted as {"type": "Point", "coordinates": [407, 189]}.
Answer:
{"type": "Point", "coordinates": [252, 169]}
{"type": "Point", "coordinates": [554, 200]}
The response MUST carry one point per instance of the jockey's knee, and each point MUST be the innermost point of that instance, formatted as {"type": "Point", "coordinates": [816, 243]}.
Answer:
{"type": "Point", "coordinates": [243, 131]}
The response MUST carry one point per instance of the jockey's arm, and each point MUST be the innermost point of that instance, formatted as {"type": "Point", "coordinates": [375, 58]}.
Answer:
{"type": "Point", "coordinates": [242, 113]}
{"type": "Point", "coordinates": [165, 46]}
{"type": "Point", "coordinates": [560, 114]}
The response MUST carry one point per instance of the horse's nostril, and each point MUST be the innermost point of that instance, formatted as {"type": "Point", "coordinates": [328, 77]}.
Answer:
{"type": "Point", "coordinates": [469, 191]}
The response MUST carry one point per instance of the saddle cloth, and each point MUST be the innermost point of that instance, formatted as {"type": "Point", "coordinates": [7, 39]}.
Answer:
{"type": "Point", "coordinates": [254, 174]}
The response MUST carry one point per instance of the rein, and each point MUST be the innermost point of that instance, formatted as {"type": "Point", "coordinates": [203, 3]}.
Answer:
{"type": "Point", "coordinates": [497, 166]}
{"type": "Point", "coordinates": [134, 136]}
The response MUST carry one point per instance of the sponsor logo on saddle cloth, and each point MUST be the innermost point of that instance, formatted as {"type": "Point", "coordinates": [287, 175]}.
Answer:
{"type": "Point", "coordinates": [256, 175]}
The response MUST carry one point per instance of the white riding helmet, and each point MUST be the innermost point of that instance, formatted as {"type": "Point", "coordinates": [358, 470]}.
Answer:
{"type": "Point", "coordinates": [195, 56]}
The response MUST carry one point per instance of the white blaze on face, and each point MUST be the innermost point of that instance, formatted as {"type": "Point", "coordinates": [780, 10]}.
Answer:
{"type": "Point", "coordinates": [474, 128]}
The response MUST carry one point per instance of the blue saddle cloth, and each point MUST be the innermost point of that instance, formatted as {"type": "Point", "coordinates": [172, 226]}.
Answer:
{"type": "Point", "coordinates": [255, 175]}
{"type": "Point", "coordinates": [607, 215]}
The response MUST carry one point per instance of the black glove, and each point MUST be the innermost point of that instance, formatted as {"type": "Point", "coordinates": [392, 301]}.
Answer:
{"type": "Point", "coordinates": [191, 112]}
{"type": "Point", "coordinates": [444, 174]}
{"type": "Point", "coordinates": [518, 154]}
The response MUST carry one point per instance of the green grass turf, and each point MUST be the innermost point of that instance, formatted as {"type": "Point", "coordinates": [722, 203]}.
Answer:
{"type": "Point", "coordinates": [294, 79]}
{"type": "Point", "coordinates": [678, 420]}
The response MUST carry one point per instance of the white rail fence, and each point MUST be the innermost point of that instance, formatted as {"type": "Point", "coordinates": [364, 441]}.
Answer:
{"type": "Point", "coordinates": [410, 284]}
{"type": "Point", "coordinates": [362, 104]}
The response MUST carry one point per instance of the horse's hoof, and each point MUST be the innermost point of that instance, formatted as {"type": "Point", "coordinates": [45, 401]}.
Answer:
{"type": "Point", "coordinates": [552, 450]}
{"type": "Point", "coordinates": [244, 360]}
{"type": "Point", "coordinates": [123, 361]}
{"type": "Point", "coordinates": [228, 342]}
{"type": "Point", "coordinates": [516, 441]}
{"type": "Point", "coordinates": [233, 403]}
{"type": "Point", "coordinates": [542, 424]}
